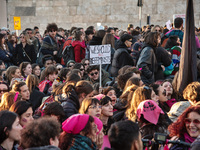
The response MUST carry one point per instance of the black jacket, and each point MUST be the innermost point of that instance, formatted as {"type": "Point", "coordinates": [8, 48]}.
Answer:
{"type": "Point", "coordinates": [70, 104]}
{"type": "Point", "coordinates": [121, 58]}
{"type": "Point", "coordinates": [148, 63]}
{"type": "Point", "coordinates": [36, 98]}
{"type": "Point", "coordinates": [96, 41]}
{"type": "Point", "coordinates": [22, 56]}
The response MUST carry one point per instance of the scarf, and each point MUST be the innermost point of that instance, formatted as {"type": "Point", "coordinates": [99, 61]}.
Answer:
{"type": "Point", "coordinates": [188, 139]}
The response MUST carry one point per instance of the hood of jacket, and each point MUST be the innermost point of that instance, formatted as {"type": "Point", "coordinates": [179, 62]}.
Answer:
{"type": "Point", "coordinates": [75, 43]}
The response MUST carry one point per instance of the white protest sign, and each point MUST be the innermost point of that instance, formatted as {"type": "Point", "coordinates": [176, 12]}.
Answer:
{"type": "Point", "coordinates": [168, 24]}
{"type": "Point", "coordinates": [100, 54]}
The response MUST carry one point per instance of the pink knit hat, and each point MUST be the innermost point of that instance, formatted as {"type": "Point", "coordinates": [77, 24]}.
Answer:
{"type": "Point", "coordinates": [150, 110]}
{"type": "Point", "coordinates": [75, 123]}
{"type": "Point", "coordinates": [99, 123]}
{"type": "Point", "coordinates": [99, 96]}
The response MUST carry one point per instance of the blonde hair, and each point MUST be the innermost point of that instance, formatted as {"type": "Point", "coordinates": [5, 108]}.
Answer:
{"type": "Point", "coordinates": [8, 99]}
{"type": "Point", "coordinates": [86, 103]}
{"type": "Point", "coordinates": [140, 94]}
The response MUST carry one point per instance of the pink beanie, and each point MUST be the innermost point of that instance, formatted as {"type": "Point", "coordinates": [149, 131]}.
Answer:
{"type": "Point", "coordinates": [99, 96]}
{"type": "Point", "coordinates": [150, 110]}
{"type": "Point", "coordinates": [75, 123]}
{"type": "Point", "coordinates": [99, 123]}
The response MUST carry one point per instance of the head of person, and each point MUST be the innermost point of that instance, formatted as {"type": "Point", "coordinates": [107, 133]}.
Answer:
{"type": "Point", "coordinates": [153, 39]}
{"type": "Point", "coordinates": [82, 124]}
{"type": "Point", "coordinates": [89, 34]}
{"type": "Point", "coordinates": [107, 108]}
{"type": "Point", "coordinates": [109, 39]}
{"type": "Point", "coordinates": [140, 94]}
{"type": "Point", "coordinates": [59, 67]}
{"type": "Point", "coordinates": [86, 63]}
{"type": "Point", "coordinates": [91, 106]}
{"type": "Point", "coordinates": [191, 93]}
{"type": "Point", "coordinates": [79, 35]}
{"type": "Point", "coordinates": [178, 22]}
{"type": "Point", "coordinates": [125, 135]}
{"type": "Point", "coordinates": [52, 28]}
{"type": "Point", "coordinates": [82, 88]}
{"type": "Point", "coordinates": [32, 81]}
{"type": "Point", "coordinates": [81, 67]}
{"type": "Point", "coordinates": [51, 73]}
{"type": "Point", "coordinates": [22, 88]}
{"type": "Point", "coordinates": [110, 92]}
{"type": "Point", "coordinates": [172, 41]}
{"type": "Point", "coordinates": [8, 99]}
{"type": "Point", "coordinates": [24, 110]}
{"type": "Point", "coordinates": [100, 33]}
{"type": "Point", "coordinates": [61, 32]}
{"type": "Point", "coordinates": [133, 80]}
{"type": "Point", "coordinates": [187, 123]}
{"type": "Point", "coordinates": [160, 91]}
{"type": "Point", "coordinates": [55, 110]}
{"type": "Point", "coordinates": [167, 84]}
{"type": "Point", "coordinates": [126, 39]}
{"type": "Point", "coordinates": [70, 64]}
{"type": "Point", "coordinates": [73, 78]}
{"type": "Point", "coordinates": [41, 132]}
{"type": "Point", "coordinates": [2, 65]}
{"type": "Point", "coordinates": [156, 28]}
{"type": "Point", "coordinates": [25, 68]}
{"type": "Point", "coordinates": [110, 30]}
{"type": "Point", "coordinates": [13, 72]}
{"type": "Point", "coordinates": [123, 78]}
{"type": "Point", "coordinates": [2, 40]}
{"type": "Point", "coordinates": [4, 87]}
{"type": "Point", "coordinates": [24, 38]}
{"type": "Point", "coordinates": [36, 69]}
{"type": "Point", "coordinates": [64, 73]}
{"type": "Point", "coordinates": [29, 31]}
{"type": "Point", "coordinates": [116, 31]}
{"type": "Point", "coordinates": [93, 72]}
{"type": "Point", "coordinates": [9, 127]}
{"type": "Point", "coordinates": [47, 61]}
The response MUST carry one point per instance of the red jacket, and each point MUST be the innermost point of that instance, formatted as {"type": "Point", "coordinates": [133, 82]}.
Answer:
{"type": "Point", "coordinates": [79, 50]}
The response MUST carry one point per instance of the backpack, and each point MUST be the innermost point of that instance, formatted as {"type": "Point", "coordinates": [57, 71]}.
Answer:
{"type": "Point", "coordinates": [68, 53]}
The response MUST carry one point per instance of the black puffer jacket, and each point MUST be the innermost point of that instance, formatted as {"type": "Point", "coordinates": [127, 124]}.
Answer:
{"type": "Point", "coordinates": [121, 58]}
{"type": "Point", "coordinates": [70, 104]}
{"type": "Point", "coordinates": [148, 63]}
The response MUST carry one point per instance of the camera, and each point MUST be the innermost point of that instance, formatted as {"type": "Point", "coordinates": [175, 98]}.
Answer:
{"type": "Point", "coordinates": [160, 138]}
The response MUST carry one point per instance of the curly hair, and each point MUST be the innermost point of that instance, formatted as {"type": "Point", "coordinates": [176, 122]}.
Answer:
{"type": "Point", "coordinates": [39, 132]}
{"type": "Point", "coordinates": [140, 94]}
{"type": "Point", "coordinates": [52, 26]}
{"type": "Point", "coordinates": [178, 128]}
{"type": "Point", "coordinates": [191, 92]}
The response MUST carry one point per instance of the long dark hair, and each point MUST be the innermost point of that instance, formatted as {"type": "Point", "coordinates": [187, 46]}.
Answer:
{"type": "Point", "coordinates": [7, 119]}
{"type": "Point", "coordinates": [172, 41]}
{"type": "Point", "coordinates": [65, 139]}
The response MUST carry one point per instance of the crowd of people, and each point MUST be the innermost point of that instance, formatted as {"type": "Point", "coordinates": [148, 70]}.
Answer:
{"type": "Point", "coordinates": [50, 95]}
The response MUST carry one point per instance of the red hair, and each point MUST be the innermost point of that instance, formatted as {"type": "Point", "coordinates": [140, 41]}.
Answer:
{"type": "Point", "coordinates": [178, 128]}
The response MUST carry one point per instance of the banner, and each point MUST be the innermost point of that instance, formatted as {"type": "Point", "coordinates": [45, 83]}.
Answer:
{"type": "Point", "coordinates": [100, 54]}
{"type": "Point", "coordinates": [17, 23]}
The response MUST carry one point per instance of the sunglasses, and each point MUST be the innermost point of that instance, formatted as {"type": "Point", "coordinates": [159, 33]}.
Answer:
{"type": "Point", "coordinates": [158, 30]}
{"type": "Point", "coordinates": [81, 69]}
{"type": "Point", "coordinates": [195, 121]}
{"type": "Point", "coordinates": [93, 73]}
{"type": "Point", "coordinates": [59, 69]}
{"type": "Point", "coordinates": [95, 106]}
{"type": "Point", "coordinates": [86, 64]}
{"type": "Point", "coordinates": [71, 65]}
{"type": "Point", "coordinates": [3, 91]}
{"type": "Point", "coordinates": [22, 37]}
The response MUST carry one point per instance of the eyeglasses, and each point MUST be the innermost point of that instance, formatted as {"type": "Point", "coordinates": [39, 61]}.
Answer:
{"type": "Point", "coordinates": [95, 106]}
{"type": "Point", "coordinates": [188, 121]}
{"type": "Point", "coordinates": [4, 90]}
{"type": "Point", "coordinates": [81, 69]}
{"type": "Point", "coordinates": [86, 64]}
{"type": "Point", "coordinates": [93, 73]}
{"type": "Point", "coordinates": [158, 30]}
